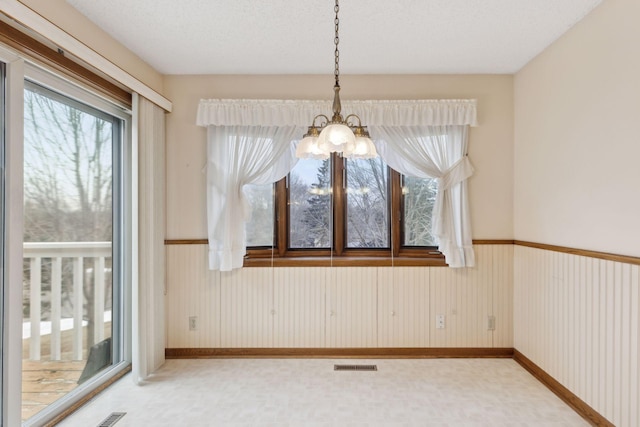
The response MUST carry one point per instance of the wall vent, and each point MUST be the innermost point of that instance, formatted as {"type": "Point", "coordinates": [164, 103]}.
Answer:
{"type": "Point", "coordinates": [355, 368]}
{"type": "Point", "coordinates": [112, 419]}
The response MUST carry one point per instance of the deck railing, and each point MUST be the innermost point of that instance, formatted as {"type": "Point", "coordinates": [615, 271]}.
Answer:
{"type": "Point", "coordinates": [80, 254]}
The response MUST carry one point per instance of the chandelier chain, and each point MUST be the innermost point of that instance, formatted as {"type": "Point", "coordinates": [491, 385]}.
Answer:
{"type": "Point", "coordinates": [336, 40]}
{"type": "Point", "coordinates": [345, 136]}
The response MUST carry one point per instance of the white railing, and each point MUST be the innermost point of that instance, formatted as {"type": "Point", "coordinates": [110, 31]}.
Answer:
{"type": "Point", "coordinates": [35, 252]}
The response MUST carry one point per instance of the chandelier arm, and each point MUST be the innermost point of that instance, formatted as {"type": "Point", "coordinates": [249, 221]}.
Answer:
{"type": "Point", "coordinates": [321, 125]}
{"type": "Point", "coordinates": [346, 120]}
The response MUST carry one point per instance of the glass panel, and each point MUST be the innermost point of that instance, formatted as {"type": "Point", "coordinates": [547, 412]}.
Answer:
{"type": "Point", "coordinates": [367, 203]}
{"type": "Point", "coordinates": [68, 234]}
{"type": "Point", "coordinates": [419, 195]}
{"type": "Point", "coordinates": [260, 228]}
{"type": "Point", "coordinates": [2, 226]}
{"type": "Point", "coordinates": [310, 204]}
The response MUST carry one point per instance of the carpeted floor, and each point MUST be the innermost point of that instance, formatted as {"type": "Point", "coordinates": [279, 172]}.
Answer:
{"type": "Point", "coordinates": [308, 392]}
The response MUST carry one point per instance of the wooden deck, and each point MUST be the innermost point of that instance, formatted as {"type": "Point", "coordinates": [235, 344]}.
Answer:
{"type": "Point", "coordinates": [44, 382]}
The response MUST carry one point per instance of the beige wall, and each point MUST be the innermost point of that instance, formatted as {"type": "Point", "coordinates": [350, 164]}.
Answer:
{"type": "Point", "coordinates": [577, 184]}
{"type": "Point", "coordinates": [307, 307]}
{"type": "Point", "coordinates": [491, 143]}
{"type": "Point", "coordinates": [73, 22]}
{"type": "Point", "coordinates": [577, 167]}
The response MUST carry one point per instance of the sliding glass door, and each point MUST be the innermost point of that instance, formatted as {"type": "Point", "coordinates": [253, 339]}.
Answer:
{"type": "Point", "coordinates": [3, 280]}
{"type": "Point", "coordinates": [73, 284]}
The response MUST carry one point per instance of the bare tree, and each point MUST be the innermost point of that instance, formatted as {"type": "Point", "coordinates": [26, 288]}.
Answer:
{"type": "Point", "coordinates": [298, 204]}
{"type": "Point", "coordinates": [317, 213]}
{"type": "Point", "coordinates": [67, 181]}
{"type": "Point", "coordinates": [419, 198]}
{"type": "Point", "coordinates": [367, 203]}
{"type": "Point", "coordinates": [261, 225]}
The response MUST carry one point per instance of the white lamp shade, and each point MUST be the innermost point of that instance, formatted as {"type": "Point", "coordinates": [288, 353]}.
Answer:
{"type": "Point", "coordinates": [363, 149]}
{"type": "Point", "coordinates": [336, 137]}
{"type": "Point", "coordinates": [308, 149]}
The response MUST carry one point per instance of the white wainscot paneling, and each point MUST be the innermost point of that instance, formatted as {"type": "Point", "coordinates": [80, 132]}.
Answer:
{"type": "Point", "coordinates": [577, 318]}
{"type": "Point", "coordinates": [403, 307]}
{"type": "Point", "coordinates": [246, 308]}
{"type": "Point", "coordinates": [500, 261]}
{"type": "Point", "coordinates": [339, 307]}
{"type": "Point", "coordinates": [299, 307]}
{"type": "Point", "coordinates": [192, 291]}
{"type": "Point", "coordinates": [351, 307]}
{"type": "Point", "coordinates": [466, 296]}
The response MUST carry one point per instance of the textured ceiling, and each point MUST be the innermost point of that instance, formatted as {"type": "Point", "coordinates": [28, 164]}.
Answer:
{"type": "Point", "coordinates": [296, 36]}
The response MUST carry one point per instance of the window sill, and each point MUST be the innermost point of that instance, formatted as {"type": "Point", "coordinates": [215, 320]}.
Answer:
{"type": "Point", "coordinates": [345, 261]}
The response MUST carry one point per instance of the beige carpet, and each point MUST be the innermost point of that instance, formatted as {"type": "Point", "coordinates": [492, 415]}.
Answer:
{"type": "Point", "coordinates": [308, 392]}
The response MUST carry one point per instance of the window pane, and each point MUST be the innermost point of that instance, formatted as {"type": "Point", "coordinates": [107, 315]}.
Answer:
{"type": "Point", "coordinates": [260, 228]}
{"type": "Point", "coordinates": [68, 235]}
{"type": "Point", "coordinates": [367, 203]}
{"type": "Point", "coordinates": [419, 196]}
{"type": "Point", "coordinates": [310, 204]}
{"type": "Point", "coordinates": [2, 228]}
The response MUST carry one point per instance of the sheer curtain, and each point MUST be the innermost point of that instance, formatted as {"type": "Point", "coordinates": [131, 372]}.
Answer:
{"type": "Point", "coordinates": [436, 152]}
{"type": "Point", "coordinates": [237, 156]}
{"type": "Point", "coordinates": [253, 142]}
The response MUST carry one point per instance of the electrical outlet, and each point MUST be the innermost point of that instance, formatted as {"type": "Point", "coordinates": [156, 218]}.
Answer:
{"type": "Point", "coordinates": [439, 321]}
{"type": "Point", "coordinates": [193, 323]}
{"type": "Point", "coordinates": [491, 323]}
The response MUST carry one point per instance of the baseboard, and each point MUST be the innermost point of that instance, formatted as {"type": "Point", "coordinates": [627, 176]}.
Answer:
{"type": "Point", "coordinates": [577, 404]}
{"type": "Point", "coordinates": [374, 353]}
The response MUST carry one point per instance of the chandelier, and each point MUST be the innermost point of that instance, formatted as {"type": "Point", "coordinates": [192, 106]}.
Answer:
{"type": "Point", "coordinates": [347, 136]}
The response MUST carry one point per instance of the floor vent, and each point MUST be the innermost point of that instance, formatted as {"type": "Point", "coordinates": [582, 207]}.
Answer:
{"type": "Point", "coordinates": [355, 368]}
{"type": "Point", "coordinates": [112, 419]}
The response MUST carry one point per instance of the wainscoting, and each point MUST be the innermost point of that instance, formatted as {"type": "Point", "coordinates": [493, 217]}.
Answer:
{"type": "Point", "coordinates": [572, 315]}
{"type": "Point", "coordinates": [340, 307]}
{"type": "Point", "coordinates": [576, 317]}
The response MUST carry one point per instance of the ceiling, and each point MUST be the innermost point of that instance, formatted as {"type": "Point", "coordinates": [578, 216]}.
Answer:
{"type": "Point", "coordinates": [296, 36]}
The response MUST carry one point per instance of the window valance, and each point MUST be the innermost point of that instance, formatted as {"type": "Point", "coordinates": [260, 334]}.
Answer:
{"type": "Point", "coordinates": [273, 112]}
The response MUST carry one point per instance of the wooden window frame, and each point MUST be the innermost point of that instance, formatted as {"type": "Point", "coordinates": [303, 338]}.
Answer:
{"type": "Point", "coordinates": [281, 255]}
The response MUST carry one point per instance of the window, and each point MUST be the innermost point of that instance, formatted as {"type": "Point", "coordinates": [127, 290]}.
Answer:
{"type": "Point", "coordinates": [3, 242]}
{"type": "Point", "coordinates": [418, 199]}
{"type": "Point", "coordinates": [367, 208]}
{"type": "Point", "coordinates": [360, 211]}
{"type": "Point", "coordinates": [310, 201]}
{"type": "Point", "coordinates": [259, 228]}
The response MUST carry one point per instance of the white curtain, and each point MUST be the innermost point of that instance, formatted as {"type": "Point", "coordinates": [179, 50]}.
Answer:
{"type": "Point", "coordinates": [237, 156]}
{"type": "Point", "coordinates": [250, 142]}
{"type": "Point", "coordinates": [436, 152]}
